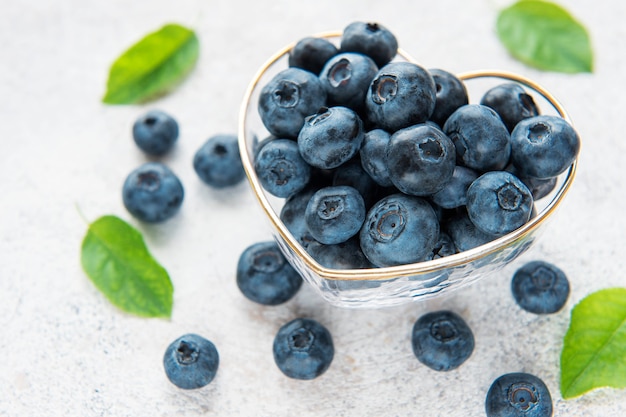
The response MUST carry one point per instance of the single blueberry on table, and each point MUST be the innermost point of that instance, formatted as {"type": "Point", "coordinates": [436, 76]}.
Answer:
{"type": "Point", "coordinates": [511, 102]}
{"type": "Point", "coordinates": [420, 159]}
{"type": "Point", "coordinates": [543, 146]}
{"type": "Point", "coordinates": [518, 395]}
{"type": "Point", "coordinates": [498, 202]}
{"type": "Point", "coordinates": [311, 54]}
{"type": "Point", "coordinates": [191, 361]}
{"type": "Point", "coordinates": [402, 94]}
{"type": "Point", "coordinates": [335, 214]}
{"type": "Point", "coordinates": [155, 132]}
{"type": "Point", "coordinates": [346, 77]}
{"type": "Point", "coordinates": [265, 276]}
{"type": "Point", "coordinates": [399, 229]}
{"type": "Point", "coordinates": [152, 192]}
{"type": "Point", "coordinates": [374, 156]}
{"type": "Point", "coordinates": [481, 139]}
{"type": "Point", "coordinates": [289, 97]}
{"type": "Point", "coordinates": [370, 38]}
{"type": "Point", "coordinates": [442, 340]}
{"type": "Point", "coordinates": [330, 137]}
{"type": "Point", "coordinates": [451, 94]}
{"type": "Point", "coordinates": [454, 193]}
{"type": "Point", "coordinates": [303, 349]}
{"type": "Point", "coordinates": [540, 287]}
{"type": "Point", "coordinates": [280, 168]}
{"type": "Point", "coordinates": [218, 162]}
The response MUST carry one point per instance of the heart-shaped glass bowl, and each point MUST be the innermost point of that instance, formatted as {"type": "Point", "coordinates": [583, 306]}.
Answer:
{"type": "Point", "coordinates": [378, 287]}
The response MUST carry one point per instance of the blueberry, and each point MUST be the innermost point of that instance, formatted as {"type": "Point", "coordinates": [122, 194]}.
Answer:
{"type": "Point", "coordinates": [352, 174]}
{"type": "Point", "coordinates": [330, 137]}
{"type": "Point", "coordinates": [464, 233]}
{"type": "Point", "coordinates": [420, 159]}
{"type": "Point", "coordinates": [402, 94]}
{"type": "Point", "coordinates": [292, 216]}
{"type": "Point", "coordinates": [543, 146]}
{"type": "Point", "coordinates": [303, 349]}
{"type": "Point", "coordinates": [511, 102]}
{"type": "Point", "coordinates": [481, 139]}
{"type": "Point", "coordinates": [289, 97]}
{"type": "Point", "coordinates": [191, 361]}
{"type": "Point", "coordinates": [399, 229]}
{"type": "Point", "coordinates": [442, 340]}
{"type": "Point", "coordinates": [346, 77]}
{"type": "Point", "coordinates": [370, 38]}
{"type": "Point", "coordinates": [155, 132]}
{"type": "Point", "coordinates": [264, 275]}
{"type": "Point", "coordinates": [518, 395]}
{"type": "Point", "coordinates": [540, 287]}
{"type": "Point", "coordinates": [218, 162]}
{"type": "Point", "coordinates": [444, 247]}
{"type": "Point", "coordinates": [374, 156]}
{"type": "Point", "coordinates": [454, 193]}
{"type": "Point", "coordinates": [344, 255]}
{"type": "Point", "coordinates": [152, 192]}
{"type": "Point", "coordinates": [335, 214]}
{"type": "Point", "coordinates": [451, 94]}
{"type": "Point", "coordinates": [311, 54]}
{"type": "Point", "coordinates": [280, 168]}
{"type": "Point", "coordinates": [498, 202]}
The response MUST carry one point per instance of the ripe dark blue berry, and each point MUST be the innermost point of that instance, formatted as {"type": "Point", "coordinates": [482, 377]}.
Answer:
{"type": "Point", "coordinates": [454, 193]}
{"type": "Point", "coordinates": [155, 132]}
{"type": "Point", "coordinates": [451, 94]}
{"type": "Point", "coordinates": [346, 77]}
{"type": "Point", "coordinates": [540, 287]}
{"type": "Point", "coordinates": [281, 169]}
{"type": "Point", "coordinates": [152, 192]}
{"type": "Point", "coordinates": [218, 162]}
{"type": "Point", "coordinates": [374, 156]}
{"type": "Point", "coordinates": [264, 275]}
{"type": "Point", "coordinates": [311, 54]}
{"type": "Point", "coordinates": [292, 216]}
{"type": "Point", "coordinates": [464, 233]}
{"type": "Point", "coordinates": [518, 395]}
{"type": "Point", "coordinates": [372, 39]}
{"type": "Point", "coordinates": [511, 102]}
{"type": "Point", "coordinates": [303, 349]}
{"type": "Point", "coordinates": [191, 361]}
{"type": "Point", "coordinates": [442, 340]}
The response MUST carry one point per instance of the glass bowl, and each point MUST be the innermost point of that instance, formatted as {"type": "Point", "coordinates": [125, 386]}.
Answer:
{"type": "Point", "coordinates": [379, 287]}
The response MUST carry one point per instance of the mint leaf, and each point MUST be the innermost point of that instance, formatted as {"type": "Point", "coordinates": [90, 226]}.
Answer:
{"type": "Point", "coordinates": [594, 349]}
{"type": "Point", "coordinates": [546, 36]}
{"type": "Point", "coordinates": [153, 66]}
{"type": "Point", "coordinates": [115, 257]}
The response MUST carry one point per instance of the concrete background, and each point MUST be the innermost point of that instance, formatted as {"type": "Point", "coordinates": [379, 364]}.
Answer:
{"type": "Point", "coordinates": [66, 351]}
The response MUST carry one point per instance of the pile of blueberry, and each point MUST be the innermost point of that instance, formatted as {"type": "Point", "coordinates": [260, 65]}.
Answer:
{"type": "Point", "coordinates": [382, 162]}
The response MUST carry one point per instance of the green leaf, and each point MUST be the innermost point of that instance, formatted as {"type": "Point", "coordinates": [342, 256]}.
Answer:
{"type": "Point", "coordinates": [546, 36]}
{"type": "Point", "coordinates": [153, 66]}
{"type": "Point", "coordinates": [115, 257]}
{"type": "Point", "coordinates": [594, 349]}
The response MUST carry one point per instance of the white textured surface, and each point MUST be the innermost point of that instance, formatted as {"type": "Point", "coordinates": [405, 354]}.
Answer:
{"type": "Point", "coordinates": [67, 352]}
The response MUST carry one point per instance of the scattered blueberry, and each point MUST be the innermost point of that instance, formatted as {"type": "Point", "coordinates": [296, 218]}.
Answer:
{"type": "Point", "coordinates": [511, 102]}
{"type": "Point", "coordinates": [498, 203]}
{"type": "Point", "coordinates": [451, 94]}
{"type": "Point", "coordinates": [218, 162]}
{"type": "Point", "coordinates": [399, 229]}
{"type": "Point", "coordinates": [402, 94]}
{"type": "Point", "coordinates": [540, 287]}
{"type": "Point", "coordinates": [311, 54]}
{"type": "Point", "coordinates": [191, 361]}
{"type": "Point", "coordinates": [420, 159]}
{"type": "Point", "coordinates": [335, 214]}
{"type": "Point", "coordinates": [543, 146]}
{"type": "Point", "coordinates": [280, 168]}
{"type": "Point", "coordinates": [518, 395]}
{"type": "Point", "coordinates": [330, 137]}
{"type": "Point", "coordinates": [442, 340]}
{"type": "Point", "coordinates": [370, 38]}
{"type": "Point", "coordinates": [155, 132]}
{"type": "Point", "coordinates": [152, 192]}
{"type": "Point", "coordinates": [264, 275]}
{"type": "Point", "coordinates": [481, 139]}
{"type": "Point", "coordinates": [346, 77]}
{"type": "Point", "coordinates": [303, 349]}
{"type": "Point", "coordinates": [287, 99]}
